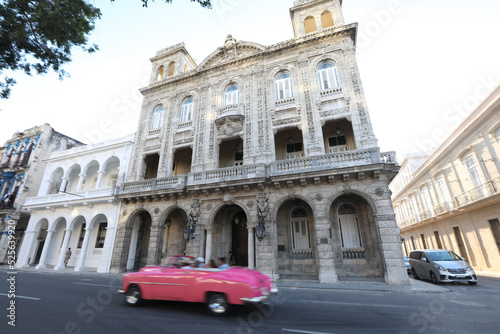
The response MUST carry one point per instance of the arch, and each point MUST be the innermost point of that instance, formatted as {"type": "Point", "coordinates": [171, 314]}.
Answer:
{"type": "Point", "coordinates": [173, 223]}
{"type": "Point", "coordinates": [296, 233]}
{"type": "Point", "coordinates": [231, 94]}
{"type": "Point", "coordinates": [310, 24]}
{"type": "Point", "coordinates": [171, 69]}
{"type": "Point", "coordinates": [326, 19]}
{"type": "Point", "coordinates": [73, 176]}
{"type": "Point", "coordinates": [55, 181]}
{"type": "Point", "coordinates": [160, 72]}
{"type": "Point", "coordinates": [111, 169]}
{"type": "Point", "coordinates": [356, 239]}
{"type": "Point", "coordinates": [279, 202]}
{"type": "Point", "coordinates": [211, 59]}
{"type": "Point", "coordinates": [283, 85]}
{"type": "Point", "coordinates": [187, 109]}
{"type": "Point", "coordinates": [91, 175]}
{"type": "Point", "coordinates": [327, 75]}
{"type": "Point", "coordinates": [157, 117]}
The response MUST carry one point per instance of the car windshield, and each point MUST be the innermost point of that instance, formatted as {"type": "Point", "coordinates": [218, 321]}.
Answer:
{"type": "Point", "coordinates": [443, 256]}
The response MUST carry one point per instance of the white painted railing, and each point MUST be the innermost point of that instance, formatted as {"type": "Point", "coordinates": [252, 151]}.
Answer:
{"type": "Point", "coordinates": [486, 189]}
{"type": "Point", "coordinates": [61, 197]}
{"type": "Point", "coordinates": [153, 184]}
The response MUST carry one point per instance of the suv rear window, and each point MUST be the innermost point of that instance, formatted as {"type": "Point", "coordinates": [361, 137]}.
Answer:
{"type": "Point", "coordinates": [416, 255]}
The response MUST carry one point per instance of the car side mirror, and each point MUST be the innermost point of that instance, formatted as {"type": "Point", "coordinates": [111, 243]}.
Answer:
{"type": "Point", "coordinates": [423, 259]}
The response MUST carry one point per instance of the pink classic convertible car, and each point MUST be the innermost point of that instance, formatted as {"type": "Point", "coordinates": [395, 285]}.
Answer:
{"type": "Point", "coordinates": [218, 288]}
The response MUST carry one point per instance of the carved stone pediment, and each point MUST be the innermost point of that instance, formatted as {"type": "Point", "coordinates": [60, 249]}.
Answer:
{"type": "Point", "coordinates": [232, 50]}
{"type": "Point", "coordinates": [228, 126]}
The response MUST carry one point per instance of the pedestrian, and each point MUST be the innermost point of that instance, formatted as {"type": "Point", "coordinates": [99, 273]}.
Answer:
{"type": "Point", "coordinates": [201, 262]}
{"type": "Point", "coordinates": [232, 260]}
{"type": "Point", "coordinates": [68, 255]}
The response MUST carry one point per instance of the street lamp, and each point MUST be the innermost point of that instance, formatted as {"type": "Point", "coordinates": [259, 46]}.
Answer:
{"type": "Point", "coordinates": [189, 231]}
{"type": "Point", "coordinates": [260, 230]}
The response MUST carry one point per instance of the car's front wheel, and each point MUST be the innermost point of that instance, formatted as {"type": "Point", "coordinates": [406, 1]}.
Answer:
{"type": "Point", "coordinates": [133, 296]}
{"type": "Point", "coordinates": [434, 278]}
{"type": "Point", "coordinates": [217, 304]}
{"type": "Point", "coordinates": [414, 274]}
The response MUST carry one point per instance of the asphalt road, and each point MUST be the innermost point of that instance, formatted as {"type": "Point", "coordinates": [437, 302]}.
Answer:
{"type": "Point", "coordinates": [62, 303]}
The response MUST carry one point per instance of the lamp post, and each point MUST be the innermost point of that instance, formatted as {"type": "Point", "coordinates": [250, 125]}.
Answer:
{"type": "Point", "coordinates": [168, 223]}
{"type": "Point", "coordinates": [189, 231]}
{"type": "Point", "coordinates": [260, 230]}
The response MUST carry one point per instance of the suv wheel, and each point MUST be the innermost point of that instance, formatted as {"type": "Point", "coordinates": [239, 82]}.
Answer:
{"type": "Point", "coordinates": [434, 278]}
{"type": "Point", "coordinates": [414, 274]}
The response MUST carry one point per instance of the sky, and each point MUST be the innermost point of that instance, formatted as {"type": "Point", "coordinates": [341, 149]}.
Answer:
{"type": "Point", "coordinates": [424, 64]}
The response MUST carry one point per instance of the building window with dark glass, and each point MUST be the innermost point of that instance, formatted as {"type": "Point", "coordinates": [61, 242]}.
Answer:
{"type": "Point", "coordinates": [294, 150]}
{"type": "Point", "coordinates": [101, 235]}
{"type": "Point", "coordinates": [337, 144]}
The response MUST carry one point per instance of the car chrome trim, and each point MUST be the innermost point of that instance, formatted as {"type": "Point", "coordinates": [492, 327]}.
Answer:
{"type": "Point", "coordinates": [152, 283]}
{"type": "Point", "coordinates": [254, 300]}
{"type": "Point", "coordinates": [121, 291]}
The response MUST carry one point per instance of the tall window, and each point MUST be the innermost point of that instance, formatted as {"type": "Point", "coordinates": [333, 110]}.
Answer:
{"type": "Point", "coordinates": [495, 230]}
{"type": "Point", "coordinates": [414, 206]}
{"type": "Point", "coordinates": [327, 75]}
{"type": "Point", "coordinates": [101, 235]}
{"type": "Point", "coordinates": [477, 180]}
{"type": "Point", "coordinates": [161, 69]}
{"type": "Point", "coordinates": [82, 236]}
{"type": "Point", "coordinates": [349, 227]}
{"type": "Point", "coordinates": [231, 95]}
{"type": "Point", "coordinates": [157, 119]}
{"type": "Point", "coordinates": [427, 200]}
{"type": "Point", "coordinates": [171, 69]}
{"type": "Point", "coordinates": [300, 229]}
{"type": "Point", "coordinates": [337, 144]}
{"type": "Point", "coordinates": [284, 87]}
{"type": "Point", "coordinates": [294, 149]}
{"type": "Point", "coordinates": [422, 238]}
{"type": "Point", "coordinates": [444, 189]}
{"type": "Point", "coordinates": [438, 240]}
{"type": "Point", "coordinates": [187, 110]}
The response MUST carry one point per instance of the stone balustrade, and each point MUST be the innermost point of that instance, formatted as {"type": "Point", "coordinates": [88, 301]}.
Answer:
{"type": "Point", "coordinates": [70, 196]}
{"type": "Point", "coordinates": [330, 92]}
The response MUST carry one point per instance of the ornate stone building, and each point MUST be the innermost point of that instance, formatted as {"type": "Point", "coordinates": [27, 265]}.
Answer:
{"type": "Point", "coordinates": [450, 198]}
{"type": "Point", "coordinates": [265, 151]}
{"type": "Point", "coordinates": [21, 173]}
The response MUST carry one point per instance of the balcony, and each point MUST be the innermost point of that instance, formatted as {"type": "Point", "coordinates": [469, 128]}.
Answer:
{"type": "Point", "coordinates": [227, 174]}
{"type": "Point", "coordinates": [65, 197]}
{"type": "Point", "coordinates": [443, 208]}
{"type": "Point", "coordinates": [285, 103]}
{"type": "Point", "coordinates": [172, 182]}
{"type": "Point", "coordinates": [485, 190]}
{"type": "Point", "coordinates": [246, 173]}
{"type": "Point", "coordinates": [328, 93]}
{"type": "Point", "coordinates": [230, 110]}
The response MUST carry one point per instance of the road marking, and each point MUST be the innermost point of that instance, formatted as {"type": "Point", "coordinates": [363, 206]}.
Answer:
{"type": "Point", "coordinates": [22, 297]}
{"type": "Point", "coordinates": [104, 285]}
{"type": "Point", "coordinates": [303, 332]}
{"type": "Point", "coordinates": [359, 304]}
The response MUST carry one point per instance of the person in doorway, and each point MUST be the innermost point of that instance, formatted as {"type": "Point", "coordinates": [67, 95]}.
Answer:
{"type": "Point", "coordinates": [222, 263]}
{"type": "Point", "coordinates": [232, 260]}
{"type": "Point", "coordinates": [68, 255]}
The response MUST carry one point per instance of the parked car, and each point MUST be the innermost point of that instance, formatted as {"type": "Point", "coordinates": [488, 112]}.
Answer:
{"type": "Point", "coordinates": [218, 288]}
{"type": "Point", "coordinates": [407, 264]}
{"type": "Point", "coordinates": [441, 266]}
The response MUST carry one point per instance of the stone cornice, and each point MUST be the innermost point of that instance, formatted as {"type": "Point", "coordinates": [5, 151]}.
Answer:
{"type": "Point", "coordinates": [350, 29]}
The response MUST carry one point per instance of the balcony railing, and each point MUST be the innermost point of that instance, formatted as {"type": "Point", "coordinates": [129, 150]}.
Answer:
{"type": "Point", "coordinates": [335, 160]}
{"type": "Point", "coordinates": [228, 174]}
{"type": "Point", "coordinates": [285, 102]}
{"type": "Point", "coordinates": [475, 194]}
{"type": "Point", "coordinates": [184, 125]}
{"type": "Point", "coordinates": [233, 109]}
{"type": "Point", "coordinates": [353, 254]}
{"type": "Point", "coordinates": [424, 215]}
{"type": "Point", "coordinates": [443, 208]}
{"type": "Point", "coordinates": [302, 254]}
{"type": "Point", "coordinates": [153, 184]}
{"type": "Point", "coordinates": [330, 92]}
{"type": "Point", "coordinates": [245, 172]}
{"type": "Point", "coordinates": [70, 196]}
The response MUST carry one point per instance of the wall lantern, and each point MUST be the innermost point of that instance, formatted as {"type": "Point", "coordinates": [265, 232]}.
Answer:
{"type": "Point", "coordinates": [168, 222]}
{"type": "Point", "coordinates": [189, 231]}
{"type": "Point", "coordinates": [260, 231]}
{"type": "Point", "coordinates": [236, 220]}
{"type": "Point", "coordinates": [338, 130]}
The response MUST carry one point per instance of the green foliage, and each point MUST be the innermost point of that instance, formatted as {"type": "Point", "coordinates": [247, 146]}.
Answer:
{"type": "Point", "coordinates": [38, 35]}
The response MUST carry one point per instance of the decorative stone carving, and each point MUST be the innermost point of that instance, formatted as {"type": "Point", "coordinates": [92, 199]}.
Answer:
{"type": "Point", "coordinates": [230, 125]}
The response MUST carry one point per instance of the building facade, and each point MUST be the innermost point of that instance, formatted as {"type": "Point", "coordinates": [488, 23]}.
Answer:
{"type": "Point", "coordinates": [77, 208]}
{"type": "Point", "coordinates": [21, 172]}
{"type": "Point", "coordinates": [450, 199]}
{"type": "Point", "coordinates": [265, 151]}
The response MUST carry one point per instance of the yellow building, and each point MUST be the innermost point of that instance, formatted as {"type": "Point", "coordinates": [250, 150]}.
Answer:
{"type": "Point", "coordinates": [450, 199]}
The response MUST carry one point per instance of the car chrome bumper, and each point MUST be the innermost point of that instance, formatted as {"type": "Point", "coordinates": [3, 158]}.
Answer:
{"type": "Point", "coordinates": [262, 298]}
{"type": "Point", "coordinates": [121, 291]}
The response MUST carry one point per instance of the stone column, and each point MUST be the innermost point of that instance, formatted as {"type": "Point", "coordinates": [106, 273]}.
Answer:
{"type": "Point", "coordinates": [46, 247]}
{"type": "Point", "coordinates": [326, 266]}
{"type": "Point", "coordinates": [107, 250]}
{"type": "Point", "coordinates": [488, 138]}
{"type": "Point", "coordinates": [99, 179]}
{"type": "Point", "coordinates": [80, 182]}
{"type": "Point", "coordinates": [64, 248]}
{"type": "Point", "coordinates": [251, 246]}
{"type": "Point", "coordinates": [64, 183]}
{"type": "Point", "coordinates": [155, 239]}
{"type": "Point", "coordinates": [25, 251]}
{"type": "Point", "coordinates": [392, 251]}
{"type": "Point", "coordinates": [208, 246]}
{"type": "Point", "coordinates": [83, 252]}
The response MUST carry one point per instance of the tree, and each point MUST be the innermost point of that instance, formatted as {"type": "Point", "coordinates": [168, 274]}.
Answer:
{"type": "Point", "coordinates": [38, 36]}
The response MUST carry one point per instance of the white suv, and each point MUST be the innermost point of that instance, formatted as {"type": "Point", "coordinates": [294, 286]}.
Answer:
{"type": "Point", "coordinates": [441, 266]}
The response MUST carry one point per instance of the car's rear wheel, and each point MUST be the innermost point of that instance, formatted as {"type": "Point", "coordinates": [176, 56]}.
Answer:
{"type": "Point", "coordinates": [217, 304]}
{"type": "Point", "coordinates": [472, 283]}
{"type": "Point", "coordinates": [133, 296]}
{"type": "Point", "coordinates": [434, 278]}
{"type": "Point", "coordinates": [414, 274]}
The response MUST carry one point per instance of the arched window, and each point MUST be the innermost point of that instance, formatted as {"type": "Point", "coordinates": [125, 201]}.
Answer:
{"type": "Point", "coordinates": [349, 226]}
{"type": "Point", "coordinates": [231, 95]}
{"type": "Point", "coordinates": [187, 110]}
{"type": "Point", "coordinates": [473, 169]}
{"type": "Point", "coordinates": [310, 24]}
{"type": "Point", "coordinates": [171, 68]}
{"type": "Point", "coordinates": [427, 200]}
{"type": "Point", "coordinates": [326, 19]}
{"type": "Point", "coordinates": [444, 189]}
{"type": "Point", "coordinates": [284, 89]}
{"type": "Point", "coordinates": [300, 229]}
{"type": "Point", "coordinates": [327, 75]}
{"type": "Point", "coordinates": [157, 119]}
{"type": "Point", "coordinates": [161, 69]}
